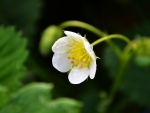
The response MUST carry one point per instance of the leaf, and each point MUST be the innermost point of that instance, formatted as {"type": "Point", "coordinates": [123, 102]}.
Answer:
{"type": "Point", "coordinates": [13, 54]}
{"type": "Point", "coordinates": [36, 98]}
{"type": "Point", "coordinates": [65, 105]}
{"type": "Point", "coordinates": [3, 95]}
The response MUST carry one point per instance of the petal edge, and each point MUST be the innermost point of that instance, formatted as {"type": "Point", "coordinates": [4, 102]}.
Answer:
{"type": "Point", "coordinates": [92, 69]}
{"type": "Point", "coordinates": [61, 45]}
{"type": "Point", "coordinates": [78, 75]}
{"type": "Point", "coordinates": [73, 35]}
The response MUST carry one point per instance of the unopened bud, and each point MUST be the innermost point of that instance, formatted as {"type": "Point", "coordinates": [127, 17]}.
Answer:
{"type": "Point", "coordinates": [49, 36]}
{"type": "Point", "coordinates": [142, 51]}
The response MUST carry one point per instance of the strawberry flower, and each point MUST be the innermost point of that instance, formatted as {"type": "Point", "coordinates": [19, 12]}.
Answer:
{"type": "Point", "coordinates": [74, 53]}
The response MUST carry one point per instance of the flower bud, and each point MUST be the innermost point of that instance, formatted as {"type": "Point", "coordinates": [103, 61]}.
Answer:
{"type": "Point", "coordinates": [142, 51]}
{"type": "Point", "coordinates": [49, 36]}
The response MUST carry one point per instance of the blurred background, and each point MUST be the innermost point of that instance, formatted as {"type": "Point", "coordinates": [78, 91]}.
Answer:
{"type": "Point", "coordinates": [27, 19]}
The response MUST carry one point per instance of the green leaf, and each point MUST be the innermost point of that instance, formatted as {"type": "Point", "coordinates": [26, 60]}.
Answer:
{"type": "Point", "coordinates": [65, 105]}
{"type": "Point", "coordinates": [3, 95]}
{"type": "Point", "coordinates": [13, 54]}
{"type": "Point", "coordinates": [36, 98]}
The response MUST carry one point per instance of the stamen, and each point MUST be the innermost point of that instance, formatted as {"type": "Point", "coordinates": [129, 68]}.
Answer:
{"type": "Point", "coordinates": [72, 61]}
{"type": "Point", "coordinates": [69, 57]}
{"type": "Point", "coordinates": [79, 56]}
{"type": "Point", "coordinates": [84, 60]}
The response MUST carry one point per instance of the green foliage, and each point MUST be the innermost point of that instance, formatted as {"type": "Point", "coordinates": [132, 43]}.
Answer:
{"type": "Point", "coordinates": [13, 54]}
{"type": "Point", "coordinates": [36, 98]}
{"type": "Point", "coordinates": [135, 82]}
{"type": "Point", "coordinates": [3, 95]}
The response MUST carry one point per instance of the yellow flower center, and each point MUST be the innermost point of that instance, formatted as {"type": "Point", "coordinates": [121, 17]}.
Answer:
{"type": "Point", "coordinates": [79, 55]}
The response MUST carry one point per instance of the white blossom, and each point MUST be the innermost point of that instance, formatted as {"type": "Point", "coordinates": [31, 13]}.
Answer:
{"type": "Point", "coordinates": [74, 53]}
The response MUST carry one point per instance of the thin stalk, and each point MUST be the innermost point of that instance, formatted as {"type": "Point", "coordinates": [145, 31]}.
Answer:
{"type": "Point", "coordinates": [110, 37]}
{"type": "Point", "coordinates": [74, 23]}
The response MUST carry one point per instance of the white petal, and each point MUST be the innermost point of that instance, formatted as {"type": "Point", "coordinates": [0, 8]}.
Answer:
{"type": "Point", "coordinates": [89, 49]}
{"type": "Point", "coordinates": [78, 75]}
{"type": "Point", "coordinates": [62, 45]}
{"type": "Point", "coordinates": [61, 62]}
{"type": "Point", "coordinates": [92, 69]}
{"type": "Point", "coordinates": [73, 35]}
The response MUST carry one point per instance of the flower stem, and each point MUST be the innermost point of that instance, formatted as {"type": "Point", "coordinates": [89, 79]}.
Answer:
{"type": "Point", "coordinates": [117, 80]}
{"type": "Point", "coordinates": [125, 58]}
{"type": "Point", "coordinates": [104, 108]}
{"type": "Point", "coordinates": [116, 49]}
{"type": "Point", "coordinates": [74, 23]}
{"type": "Point", "coordinates": [110, 37]}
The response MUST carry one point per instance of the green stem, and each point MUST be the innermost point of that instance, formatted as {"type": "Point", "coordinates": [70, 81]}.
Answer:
{"type": "Point", "coordinates": [111, 44]}
{"type": "Point", "coordinates": [108, 101]}
{"type": "Point", "coordinates": [74, 23]}
{"type": "Point", "coordinates": [116, 49]}
{"type": "Point", "coordinates": [125, 58]}
{"type": "Point", "coordinates": [110, 37]}
{"type": "Point", "coordinates": [117, 80]}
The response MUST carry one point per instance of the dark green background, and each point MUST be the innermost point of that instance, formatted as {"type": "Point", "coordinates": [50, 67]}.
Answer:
{"type": "Point", "coordinates": [128, 17]}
